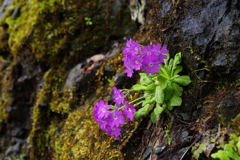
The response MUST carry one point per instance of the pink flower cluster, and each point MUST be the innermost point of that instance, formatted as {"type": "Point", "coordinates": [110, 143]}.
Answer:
{"type": "Point", "coordinates": [147, 58]}
{"type": "Point", "coordinates": [111, 118]}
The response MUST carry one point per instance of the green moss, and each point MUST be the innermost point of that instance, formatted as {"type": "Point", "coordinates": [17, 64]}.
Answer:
{"type": "Point", "coordinates": [235, 124]}
{"type": "Point", "coordinates": [3, 103]}
{"type": "Point", "coordinates": [56, 30]}
{"type": "Point", "coordinates": [61, 101]}
{"type": "Point", "coordinates": [64, 127]}
{"type": "Point", "coordinates": [81, 138]}
{"type": "Point", "coordinates": [54, 33]}
{"type": "Point", "coordinates": [6, 83]}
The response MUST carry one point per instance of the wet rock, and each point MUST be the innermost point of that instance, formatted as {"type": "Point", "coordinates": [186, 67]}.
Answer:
{"type": "Point", "coordinates": [120, 78]}
{"type": "Point", "coordinates": [4, 6]}
{"type": "Point", "coordinates": [229, 105]}
{"type": "Point", "coordinates": [220, 60]}
{"type": "Point", "coordinates": [72, 75]}
{"type": "Point", "coordinates": [116, 49]}
{"type": "Point", "coordinates": [82, 79]}
{"type": "Point", "coordinates": [13, 149]}
{"type": "Point", "coordinates": [82, 71]}
{"type": "Point", "coordinates": [147, 152]}
{"type": "Point", "coordinates": [180, 153]}
{"type": "Point", "coordinates": [17, 140]}
{"type": "Point", "coordinates": [206, 34]}
{"type": "Point", "coordinates": [159, 149]}
{"type": "Point", "coordinates": [184, 136]}
{"type": "Point", "coordinates": [185, 116]}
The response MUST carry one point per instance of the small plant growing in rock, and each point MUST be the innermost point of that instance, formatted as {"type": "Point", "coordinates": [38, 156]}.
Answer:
{"type": "Point", "coordinates": [161, 85]}
{"type": "Point", "coordinates": [230, 150]}
{"type": "Point", "coordinates": [162, 90]}
{"type": "Point", "coordinates": [88, 21]}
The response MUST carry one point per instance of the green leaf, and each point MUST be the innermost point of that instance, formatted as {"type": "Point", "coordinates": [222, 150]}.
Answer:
{"type": "Point", "coordinates": [230, 152]}
{"type": "Point", "coordinates": [159, 95]}
{"type": "Point", "coordinates": [148, 93]}
{"type": "Point", "coordinates": [172, 78]}
{"type": "Point", "coordinates": [182, 80]}
{"type": "Point", "coordinates": [142, 111]}
{"type": "Point", "coordinates": [166, 60]}
{"type": "Point", "coordinates": [170, 65]}
{"type": "Point", "coordinates": [165, 72]}
{"type": "Point", "coordinates": [177, 60]}
{"type": "Point", "coordinates": [238, 145]}
{"type": "Point", "coordinates": [138, 87]}
{"type": "Point", "coordinates": [177, 89]}
{"type": "Point", "coordinates": [174, 101]}
{"type": "Point", "coordinates": [198, 149]}
{"type": "Point", "coordinates": [168, 92]}
{"type": "Point", "coordinates": [168, 105]}
{"type": "Point", "coordinates": [151, 87]}
{"type": "Point", "coordinates": [153, 117]}
{"type": "Point", "coordinates": [158, 109]}
{"type": "Point", "coordinates": [161, 79]}
{"type": "Point", "coordinates": [220, 154]}
{"type": "Point", "coordinates": [149, 100]}
{"type": "Point", "coordinates": [144, 79]}
{"type": "Point", "coordinates": [177, 70]}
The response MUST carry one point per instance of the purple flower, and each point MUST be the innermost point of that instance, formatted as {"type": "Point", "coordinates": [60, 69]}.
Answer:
{"type": "Point", "coordinates": [133, 47]}
{"type": "Point", "coordinates": [96, 109]}
{"type": "Point", "coordinates": [147, 58]}
{"type": "Point", "coordinates": [146, 51]}
{"type": "Point", "coordinates": [127, 60]}
{"type": "Point", "coordinates": [132, 60]}
{"type": "Point", "coordinates": [137, 62]}
{"type": "Point", "coordinates": [129, 111]}
{"type": "Point", "coordinates": [129, 72]}
{"type": "Point", "coordinates": [160, 52]}
{"type": "Point", "coordinates": [114, 131]}
{"type": "Point", "coordinates": [97, 106]}
{"type": "Point", "coordinates": [103, 109]}
{"type": "Point", "coordinates": [111, 118]}
{"type": "Point", "coordinates": [118, 96]}
{"type": "Point", "coordinates": [151, 64]}
{"type": "Point", "coordinates": [116, 119]}
{"type": "Point", "coordinates": [128, 64]}
{"type": "Point", "coordinates": [103, 123]}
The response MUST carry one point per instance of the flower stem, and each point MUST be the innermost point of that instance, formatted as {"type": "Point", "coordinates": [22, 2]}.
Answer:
{"type": "Point", "coordinates": [137, 99]}
{"type": "Point", "coordinates": [138, 103]}
{"type": "Point", "coordinates": [126, 91]}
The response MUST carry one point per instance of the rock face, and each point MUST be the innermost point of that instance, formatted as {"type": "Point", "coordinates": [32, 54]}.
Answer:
{"type": "Point", "coordinates": [205, 32]}
{"type": "Point", "coordinates": [40, 43]}
{"type": "Point", "coordinates": [60, 57]}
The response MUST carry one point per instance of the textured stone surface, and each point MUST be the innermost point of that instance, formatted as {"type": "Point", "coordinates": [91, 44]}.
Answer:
{"type": "Point", "coordinates": [47, 49]}
{"type": "Point", "coordinates": [206, 32]}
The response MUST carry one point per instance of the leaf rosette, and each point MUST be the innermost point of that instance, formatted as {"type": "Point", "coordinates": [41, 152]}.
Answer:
{"type": "Point", "coordinates": [162, 89]}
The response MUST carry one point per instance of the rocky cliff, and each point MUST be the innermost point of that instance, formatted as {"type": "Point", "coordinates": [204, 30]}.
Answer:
{"type": "Point", "coordinates": [58, 58]}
